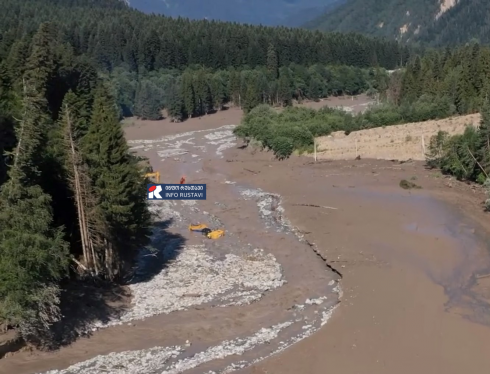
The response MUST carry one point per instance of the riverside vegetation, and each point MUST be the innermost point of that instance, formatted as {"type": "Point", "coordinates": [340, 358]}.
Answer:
{"type": "Point", "coordinates": [437, 85]}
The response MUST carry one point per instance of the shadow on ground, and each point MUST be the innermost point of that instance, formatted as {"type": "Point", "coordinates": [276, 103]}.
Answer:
{"type": "Point", "coordinates": [85, 302]}
{"type": "Point", "coordinates": [165, 247]}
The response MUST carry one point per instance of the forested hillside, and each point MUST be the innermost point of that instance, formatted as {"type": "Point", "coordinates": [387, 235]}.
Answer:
{"type": "Point", "coordinates": [431, 22]}
{"type": "Point", "coordinates": [466, 21]}
{"type": "Point", "coordinates": [401, 20]}
{"type": "Point", "coordinates": [72, 198]}
{"type": "Point", "coordinates": [144, 57]}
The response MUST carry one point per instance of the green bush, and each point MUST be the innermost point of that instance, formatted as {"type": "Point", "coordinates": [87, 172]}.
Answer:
{"type": "Point", "coordinates": [282, 147]}
{"type": "Point", "coordinates": [301, 125]}
{"type": "Point", "coordinates": [453, 154]}
{"type": "Point", "coordinates": [299, 135]}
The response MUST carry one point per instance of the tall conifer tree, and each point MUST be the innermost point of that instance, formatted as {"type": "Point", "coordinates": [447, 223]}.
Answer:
{"type": "Point", "coordinates": [118, 184]}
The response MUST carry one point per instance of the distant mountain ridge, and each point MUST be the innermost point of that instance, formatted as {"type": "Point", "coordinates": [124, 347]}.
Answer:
{"type": "Point", "coordinates": [433, 22]}
{"type": "Point", "coordinates": [270, 13]}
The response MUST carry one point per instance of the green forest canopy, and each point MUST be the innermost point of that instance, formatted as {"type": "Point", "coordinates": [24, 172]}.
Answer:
{"type": "Point", "coordinates": [144, 56]}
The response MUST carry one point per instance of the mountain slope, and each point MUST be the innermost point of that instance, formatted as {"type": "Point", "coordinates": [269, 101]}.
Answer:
{"type": "Point", "coordinates": [404, 19]}
{"type": "Point", "coordinates": [467, 20]}
{"type": "Point", "coordinates": [271, 12]}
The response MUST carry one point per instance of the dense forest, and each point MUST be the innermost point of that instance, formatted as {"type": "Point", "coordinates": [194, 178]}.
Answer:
{"type": "Point", "coordinates": [72, 197]}
{"type": "Point", "coordinates": [146, 57]}
{"type": "Point", "coordinates": [199, 91]}
{"type": "Point", "coordinates": [465, 22]}
{"type": "Point", "coordinates": [115, 35]}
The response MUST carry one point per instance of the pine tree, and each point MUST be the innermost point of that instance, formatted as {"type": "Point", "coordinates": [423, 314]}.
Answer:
{"type": "Point", "coordinates": [218, 91]}
{"type": "Point", "coordinates": [41, 81]}
{"type": "Point", "coordinates": [188, 94]}
{"type": "Point", "coordinates": [17, 58]}
{"type": "Point", "coordinates": [40, 67]}
{"type": "Point", "coordinates": [272, 62]}
{"type": "Point", "coordinates": [484, 70]}
{"type": "Point", "coordinates": [92, 228]}
{"type": "Point", "coordinates": [411, 85]}
{"type": "Point", "coordinates": [484, 137]}
{"type": "Point", "coordinates": [151, 49]}
{"type": "Point", "coordinates": [176, 105]}
{"type": "Point", "coordinates": [252, 96]}
{"type": "Point", "coordinates": [462, 95]}
{"type": "Point", "coordinates": [203, 93]}
{"type": "Point", "coordinates": [147, 104]}
{"type": "Point", "coordinates": [118, 184]}
{"type": "Point", "coordinates": [33, 255]}
{"type": "Point", "coordinates": [86, 82]}
{"type": "Point", "coordinates": [8, 109]}
{"type": "Point", "coordinates": [474, 68]}
{"type": "Point", "coordinates": [284, 90]}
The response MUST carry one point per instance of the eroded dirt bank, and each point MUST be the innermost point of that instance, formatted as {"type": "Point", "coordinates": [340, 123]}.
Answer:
{"type": "Point", "coordinates": [415, 292]}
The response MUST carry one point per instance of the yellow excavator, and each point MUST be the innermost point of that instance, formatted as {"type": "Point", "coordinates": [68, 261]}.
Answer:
{"type": "Point", "coordinates": [214, 234]}
{"type": "Point", "coordinates": [146, 168]}
{"type": "Point", "coordinates": [210, 234]}
{"type": "Point", "coordinates": [198, 227]}
{"type": "Point", "coordinates": [155, 175]}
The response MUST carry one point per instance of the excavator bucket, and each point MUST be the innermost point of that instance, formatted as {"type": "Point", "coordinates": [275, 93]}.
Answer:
{"type": "Point", "coordinates": [216, 234]}
{"type": "Point", "coordinates": [198, 227]}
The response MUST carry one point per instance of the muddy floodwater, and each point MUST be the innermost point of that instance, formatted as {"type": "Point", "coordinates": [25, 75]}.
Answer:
{"type": "Point", "coordinates": [415, 265]}
{"type": "Point", "coordinates": [326, 266]}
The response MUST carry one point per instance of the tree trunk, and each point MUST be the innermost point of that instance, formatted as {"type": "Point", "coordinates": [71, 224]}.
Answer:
{"type": "Point", "coordinates": [87, 247]}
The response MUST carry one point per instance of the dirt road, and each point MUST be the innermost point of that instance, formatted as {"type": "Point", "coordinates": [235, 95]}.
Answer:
{"type": "Point", "coordinates": [414, 296]}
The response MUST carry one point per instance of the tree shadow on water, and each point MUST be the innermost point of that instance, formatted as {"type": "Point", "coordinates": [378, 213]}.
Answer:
{"type": "Point", "coordinates": [85, 302]}
{"type": "Point", "coordinates": [165, 247]}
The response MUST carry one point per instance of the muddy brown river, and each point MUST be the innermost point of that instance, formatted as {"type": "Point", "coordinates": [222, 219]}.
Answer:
{"type": "Point", "coordinates": [398, 275]}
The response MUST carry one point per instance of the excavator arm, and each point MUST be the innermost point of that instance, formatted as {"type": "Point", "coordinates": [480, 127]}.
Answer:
{"type": "Point", "coordinates": [155, 175]}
